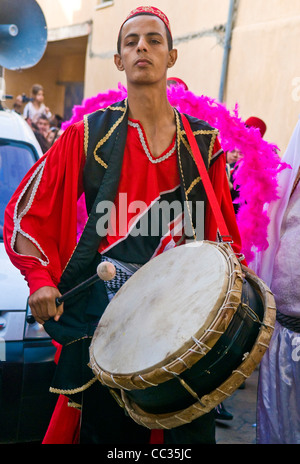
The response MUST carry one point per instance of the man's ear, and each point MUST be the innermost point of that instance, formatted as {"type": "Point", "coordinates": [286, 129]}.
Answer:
{"type": "Point", "coordinates": [118, 62]}
{"type": "Point", "coordinates": [172, 57]}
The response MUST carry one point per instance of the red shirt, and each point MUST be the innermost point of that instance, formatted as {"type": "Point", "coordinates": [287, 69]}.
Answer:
{"type": "Point", "coordinates": [146, 185]}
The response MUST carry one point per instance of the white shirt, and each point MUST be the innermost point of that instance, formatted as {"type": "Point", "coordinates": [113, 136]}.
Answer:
{"type": "Point", "coordinates": [33, 113]}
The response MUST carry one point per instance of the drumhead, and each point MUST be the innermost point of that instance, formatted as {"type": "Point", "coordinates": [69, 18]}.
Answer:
{"type": "Point", "coordinates": [156, 314]}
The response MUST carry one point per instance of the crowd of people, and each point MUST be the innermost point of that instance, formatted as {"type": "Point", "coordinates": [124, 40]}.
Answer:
{"type": "Point", "coordinates": [101, 167]}
{"type": "Point", "coordinates": [45, 125]}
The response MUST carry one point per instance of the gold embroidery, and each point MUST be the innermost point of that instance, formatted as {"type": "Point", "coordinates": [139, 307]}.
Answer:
{"type": "Point", "coordinates": [86, 134]}
{"type": "Point", "coordinates": [110, 132]}
{"type": "Point", "coordinates": [211, 146]}
{"type": "Point", "coordinates": [151, 10]}
{"type": "Point", "coordinates": [186, 144]}
{"type": "Point", "coordinates": [205, 132]}
{"type": "Point", "coordinates": [72, 404]}
{"type": "Point", "coordinates": [195, 182]}
{"type": "Point", "coordinates": [60, 391]}
{"type": "Point", "coordinates": [100, 161]}
{"type": "Point", "coordinates": [78, 340]}
{"type": "Point", "coordinates": [214, 133]}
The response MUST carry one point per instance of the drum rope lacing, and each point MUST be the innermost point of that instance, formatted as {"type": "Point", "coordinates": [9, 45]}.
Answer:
{"type": "Point", "coordinates": [187, 387]}
{"type": "Point", "coordinates": [146, 381]}
{"type": "Point", "coordinates": [252, 314]}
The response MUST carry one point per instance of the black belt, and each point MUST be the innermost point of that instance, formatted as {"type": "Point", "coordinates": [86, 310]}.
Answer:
{"type": "Point", "coordinates": [289, 322]}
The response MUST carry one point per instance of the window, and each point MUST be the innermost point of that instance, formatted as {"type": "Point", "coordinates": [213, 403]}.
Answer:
{"type": "Point", "coordinates": [15, 160]}
{"type": "Point", "coordinates": [104, 3]}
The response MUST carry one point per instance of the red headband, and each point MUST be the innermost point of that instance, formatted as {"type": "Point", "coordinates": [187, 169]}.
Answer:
{"type": "Point", "coordinates": [151, 10]}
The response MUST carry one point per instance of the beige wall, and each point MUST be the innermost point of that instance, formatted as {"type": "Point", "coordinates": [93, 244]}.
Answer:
{"type": "Point", "coordinates": [264, 65]}
{"type": "Point", "coordinates": [200, 59]}
{"type": "Point", "coordinates": [61, 13]}
{"type": "Point", "coordinates": [263, 72]}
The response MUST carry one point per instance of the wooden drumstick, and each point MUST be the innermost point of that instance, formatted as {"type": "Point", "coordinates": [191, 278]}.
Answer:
{"type": "Point", "coordinates": [105, 271]}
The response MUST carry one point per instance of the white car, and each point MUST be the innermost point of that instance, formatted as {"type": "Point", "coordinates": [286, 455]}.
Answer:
{"type": "Point", "coordinates": [26, 351]}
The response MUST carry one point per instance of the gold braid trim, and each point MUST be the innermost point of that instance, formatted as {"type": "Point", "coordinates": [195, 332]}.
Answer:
{"type": "Point", "coordinates": [212, 144]}
{"type": "Point", "coordinates": [79, 339]}
{"type": "Point", "coordinates": [195, 182]}
{"type": "Point", "coordinates": [75, 390]}
{"type": "Point", "coordinates": [86, 134]}
{"type": "Point", "coordinates": [110, 132]}
{"type": "Point", "coordinates": [214, 133]}
{"type": "Point", "coordinates": [100, 161]}
{"type": "Point", "coordinates": [72, 404]}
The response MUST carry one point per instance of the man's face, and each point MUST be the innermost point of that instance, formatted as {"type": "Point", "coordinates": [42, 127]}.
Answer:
{"type": "Point", "coordinates": [43, 126]}
{"type": "Point", "coordinates": [233, 156]}
{"type": "Point", "coordinates": [144, 56]}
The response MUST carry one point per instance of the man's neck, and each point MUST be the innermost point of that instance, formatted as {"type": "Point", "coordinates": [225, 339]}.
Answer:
{"type": "Point", "coordinates": [149, 105]}
{"type": "Point", "coordinates": [152, 108]}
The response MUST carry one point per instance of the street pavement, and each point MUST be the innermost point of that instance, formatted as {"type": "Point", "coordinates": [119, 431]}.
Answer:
{"type": "Point", "coordinates": [242, 404]}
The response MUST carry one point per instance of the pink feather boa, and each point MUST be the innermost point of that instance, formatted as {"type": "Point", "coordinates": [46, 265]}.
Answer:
{"type": "Point", "coordinates": [258, 170]}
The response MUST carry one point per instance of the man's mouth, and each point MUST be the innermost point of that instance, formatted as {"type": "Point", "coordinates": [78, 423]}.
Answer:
{"type": "Point", "coordinates": [142, 62]}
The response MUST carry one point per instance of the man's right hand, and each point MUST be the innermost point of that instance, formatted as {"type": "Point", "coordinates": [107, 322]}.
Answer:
{"type": "Point", "coordinates": [43, 306]}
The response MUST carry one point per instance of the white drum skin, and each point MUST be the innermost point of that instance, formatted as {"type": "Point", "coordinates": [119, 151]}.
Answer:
{"type": "Point", "coordinates": [161, 307]}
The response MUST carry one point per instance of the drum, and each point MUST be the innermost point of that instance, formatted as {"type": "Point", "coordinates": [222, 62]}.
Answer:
{"type": "Point", "coordinates": [182, 334]}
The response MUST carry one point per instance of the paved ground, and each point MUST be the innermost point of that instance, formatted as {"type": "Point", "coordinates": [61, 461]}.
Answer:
{"type": "Point", "coordinates": [242, 404]}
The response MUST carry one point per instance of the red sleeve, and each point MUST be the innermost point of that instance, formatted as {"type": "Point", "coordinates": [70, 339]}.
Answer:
{"type": "Point", "coordinates": [217, 174]}
{"type": "Point", "coordinates": [49, 218]}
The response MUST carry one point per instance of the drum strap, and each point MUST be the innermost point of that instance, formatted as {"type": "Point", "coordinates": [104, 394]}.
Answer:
{"type": "Point", "coordinates": [221, 225]}
{"type": "Point", "coordinates": [289, 322]}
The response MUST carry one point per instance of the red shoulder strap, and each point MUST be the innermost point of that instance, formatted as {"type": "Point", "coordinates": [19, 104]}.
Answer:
{"type": "Point", "coordinates": [211, 196]}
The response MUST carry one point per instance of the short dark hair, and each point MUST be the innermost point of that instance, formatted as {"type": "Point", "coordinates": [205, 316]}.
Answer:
{"type": "Point", "coordinates": [43, 117]}
{"type": "Point", "coordinates": [169, 37]}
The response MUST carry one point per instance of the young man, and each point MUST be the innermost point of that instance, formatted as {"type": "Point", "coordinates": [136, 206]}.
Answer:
{"type": "Point", "coordinates": [136, 147]}
{"type": "Point", "coordinates": [41, 131]}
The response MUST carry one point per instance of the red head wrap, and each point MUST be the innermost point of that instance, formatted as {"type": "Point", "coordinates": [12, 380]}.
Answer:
{"type": "Point", "coordinates": [258, 123]}
{"type": "Point", "coordinates": [150, 10]}
{"type": "Point", "coordinates": [170, 80]}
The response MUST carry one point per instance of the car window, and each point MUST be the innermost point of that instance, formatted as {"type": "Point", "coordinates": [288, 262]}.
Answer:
{"type": "Point", "coordinates": [15, 160]}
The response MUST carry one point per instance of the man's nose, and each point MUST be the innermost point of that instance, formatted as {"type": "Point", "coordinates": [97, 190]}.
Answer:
{"type": "Point", "coordinates": [142, 44]}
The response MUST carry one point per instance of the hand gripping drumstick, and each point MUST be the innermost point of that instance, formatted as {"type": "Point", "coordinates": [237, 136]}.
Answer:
{"type": "Point", "coordinates": [105, 271]}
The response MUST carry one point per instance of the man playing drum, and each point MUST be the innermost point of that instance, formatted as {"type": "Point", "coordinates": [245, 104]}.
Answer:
{"type": "Point", "coordinates": [137, 150]}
